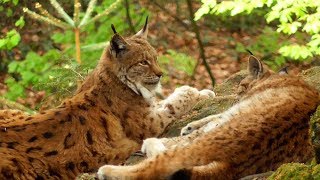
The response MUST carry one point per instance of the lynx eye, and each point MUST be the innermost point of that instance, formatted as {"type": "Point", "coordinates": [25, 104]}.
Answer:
{"type": "Point", "coordinates": [144, 63]}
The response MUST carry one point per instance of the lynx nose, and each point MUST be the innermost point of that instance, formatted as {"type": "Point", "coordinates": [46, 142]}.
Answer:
{"type": "Point", "coordinates": [159, 74]}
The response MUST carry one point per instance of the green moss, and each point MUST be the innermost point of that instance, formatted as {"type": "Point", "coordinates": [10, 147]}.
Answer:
{"type": "Point", "coordinates": [230, 85]}
{"type": "Point", "coordinates": [292, 171]}
{"type": "Point", "coordinates": [85, 176]}
{"type": "Point", "coordinates": [316, 172]}
{"type": "Point", "coordinates": [296, 171]}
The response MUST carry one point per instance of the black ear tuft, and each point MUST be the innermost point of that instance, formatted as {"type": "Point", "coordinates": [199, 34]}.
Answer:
{"type": "Point", "coordinates": [283, 71]}
{"type": "Point", "coordinates": [249, 52]}
{"type": "Point", "coordinates": [145, 24]}
{"type": "Point", "coordinates": [113, 29]}
{"type": "Point", "coordinates": [143, 33]}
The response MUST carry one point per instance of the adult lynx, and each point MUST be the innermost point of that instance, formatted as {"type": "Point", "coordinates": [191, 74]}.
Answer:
{"type": "Point", "coordinates": [104, 122]}
{"type": "Point", "coordinates": [268, 127]}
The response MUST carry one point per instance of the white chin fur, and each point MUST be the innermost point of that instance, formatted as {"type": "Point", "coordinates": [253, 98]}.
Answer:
{"type": "Point", "coordinates": [149, 94]}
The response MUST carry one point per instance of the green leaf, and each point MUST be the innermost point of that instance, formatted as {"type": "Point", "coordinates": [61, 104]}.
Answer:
{"type": "Point", "coordinates": [15, 89]}
{"type": "Point", "coordinates": [3, 43]}
{"type": "Point", "coordinates": [15, 2]}
{"type": "Point", "coordinates": [9, 12]}
{"type": "Point", "coordinates": [13, 67]}
{"type": "Point", "coordinates": [14, 39]}
{"type": "Point", "coordinates": [20, 23]}
{"type": "Point", "coordinates": [296, 51]}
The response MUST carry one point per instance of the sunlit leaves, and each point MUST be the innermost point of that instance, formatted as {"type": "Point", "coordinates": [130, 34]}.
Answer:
{"type": "Point", "coordinates": [11, 39]}
{"type": "Point", "coordinates": [291, 15]}
{"type": "Point", "coordinates": [20, 23]}
{"type": "Point", "coordinates": [207, 5]}
{"type": "Point", "coordinates": [34, 69]}
{"type": "Point", "coordinates": [295, 51]}
{"type": "Point", "coordinates": [289, 28]}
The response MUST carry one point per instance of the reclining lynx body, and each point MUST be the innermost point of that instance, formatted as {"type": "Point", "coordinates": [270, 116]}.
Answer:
{"type": "Point", "coordinates": [107, 119]}
{"type": "Point", "coordinates": [268, 127]}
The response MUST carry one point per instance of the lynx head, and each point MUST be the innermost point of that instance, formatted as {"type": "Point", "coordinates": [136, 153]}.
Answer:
{"type": "Point", "coordinates": [257, 73]}
{"type": "Point", "coordinates": [134, 61]}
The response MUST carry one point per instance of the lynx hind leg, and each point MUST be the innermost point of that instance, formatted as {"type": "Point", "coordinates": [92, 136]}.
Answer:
{"type": "Point", "coordinates": [184, 98]}
{"type": "Point", "coordinates": [154, 146]}
{"type": "Point", "coordinates": [214, 170]}
{"type": "Point", "coordinates": [195, 125]}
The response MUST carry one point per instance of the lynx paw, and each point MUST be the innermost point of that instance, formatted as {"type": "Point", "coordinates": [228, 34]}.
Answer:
{"type": "Point", "coordinates": [189, 128]}
{"type": "Point", "coordinates": [107, 172]}
{"type": "Point", "coordinates": [152, 147]}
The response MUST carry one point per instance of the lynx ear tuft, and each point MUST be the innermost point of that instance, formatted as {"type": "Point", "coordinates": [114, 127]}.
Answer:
{"type": "Point", "coordinates": [143, 33]}
{"type": "Point", "coordinates": [113, 29]}
{"type": "Point", "coordinates": [255, 67]}
{"type": "Point", "coordinates": [284, 71]}
{"type": "Point", "coordinates": [249, 52]}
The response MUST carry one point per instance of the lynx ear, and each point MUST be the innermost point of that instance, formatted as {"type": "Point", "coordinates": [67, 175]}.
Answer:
{"type": "Point", "coordinates": [255, 66]}
{"type": "Point", "coordinates": [143, 33]}
{"type": "Point", "coordinates": [283, 71]}
{"type": "Point", "coordinates": [117, 43]}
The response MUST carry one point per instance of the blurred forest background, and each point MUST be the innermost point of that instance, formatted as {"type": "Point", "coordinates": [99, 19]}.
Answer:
{"type": "Point", "coordinates": [48, 46]}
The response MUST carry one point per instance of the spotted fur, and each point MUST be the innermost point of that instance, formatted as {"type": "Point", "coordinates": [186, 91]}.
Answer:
{"type": "Point", "coordinates": [268, 127]}
{"type": "Point", "coordinates": [103, 123]}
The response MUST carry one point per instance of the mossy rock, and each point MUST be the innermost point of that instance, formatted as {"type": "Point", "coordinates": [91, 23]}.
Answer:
{"type": "Point", "coordinates": [225, 98]}
{"type": "Point", "coordinates": [292, 171]}
{"type": "Point", "coordinates": [297, 171]}
{"type": "Point", "coordinates": [86, 176]}
{"type": "Point", "coordinates": [312, 76]}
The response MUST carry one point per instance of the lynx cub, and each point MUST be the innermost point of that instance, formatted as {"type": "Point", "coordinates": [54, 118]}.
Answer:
{"type": "Point", "coordinates": [268, 127]}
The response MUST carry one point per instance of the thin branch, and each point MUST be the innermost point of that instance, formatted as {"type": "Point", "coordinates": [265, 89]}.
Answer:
{"type": "Point", "coordinates": [90, 8]}
{"type": "Point", "coordinates": [96, 46]}
{"type": "Point", "coordinates": [14, 105]}
{"type": "Point", "coordinates": [171, 14]}
{"type": "Point", "coordinates": [104, 13]}
{"type": "Point", "coordinates": [61, 12]}
{"type": "Point", "coordinates": [201, 48]}
{"type": "Point", "coordinates": [76, 12]}
{"type": "Point", "coordinates": [255, 176]}
{"type": "Point", "coordinates": [127, 4]}
{"type": "Point", "coordinates": [77, 43]}
{"type": "Point", "coordinates": [45, 19]}
{"type": "Point", "coordinates": [45, 13]}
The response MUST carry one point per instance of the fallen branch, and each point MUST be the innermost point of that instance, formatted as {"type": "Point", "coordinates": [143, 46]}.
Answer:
{"type": "Point", "coordinates": [15, 105]}
{"type": "Point", "coordinates": [255, 176]}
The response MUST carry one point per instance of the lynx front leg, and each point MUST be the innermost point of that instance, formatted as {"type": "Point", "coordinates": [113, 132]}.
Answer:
{"type": "Point", "coordinates": [177, 104]}
{"type": "Point", "coordinates": [184, 98]}
{"type": "Point", "coordinates": [154, 146]}
{"type": "Point", "coordinates": [189, 128]}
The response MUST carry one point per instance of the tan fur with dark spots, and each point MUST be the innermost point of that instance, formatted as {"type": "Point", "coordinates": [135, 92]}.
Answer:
{"type": "Point", "coordinates": [269, 128]}
{"type": "Point", "coordinates": [103, 123]}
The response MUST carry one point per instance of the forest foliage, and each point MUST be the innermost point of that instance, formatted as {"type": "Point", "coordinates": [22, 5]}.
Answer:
{"type": "Point", "coordinates": [289, 16]}
{"type": "Point", "coordinates": [287, 31]}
